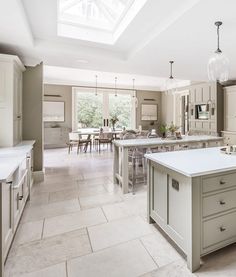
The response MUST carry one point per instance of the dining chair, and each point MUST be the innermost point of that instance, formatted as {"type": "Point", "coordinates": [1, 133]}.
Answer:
{"type": "Point", "coordinates": [78, 140]}
{"type": "Point", "coordinates": [105, 138]}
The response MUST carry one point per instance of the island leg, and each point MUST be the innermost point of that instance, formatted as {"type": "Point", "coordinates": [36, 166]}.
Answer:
{"type": "Point", "coordinates": [149, 193]}
{"type": "Point", "coordinates": [125, 170]}
{"type": "Point", "coordinates": [115, 163]}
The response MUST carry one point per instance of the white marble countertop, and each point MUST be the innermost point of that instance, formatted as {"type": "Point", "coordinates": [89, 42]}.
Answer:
{"type": "Point", "coordinates": [159, 141]}
{"type": "Point", "coordinates": [11, 158]}
{"type": "Point", "coordinates": [197, 162]}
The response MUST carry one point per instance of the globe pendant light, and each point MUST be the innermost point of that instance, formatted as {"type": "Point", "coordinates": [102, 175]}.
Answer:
{"type": "Point", "coordinates": [171, 85]}
{"type": "Point", "coordinates": [218, 64]}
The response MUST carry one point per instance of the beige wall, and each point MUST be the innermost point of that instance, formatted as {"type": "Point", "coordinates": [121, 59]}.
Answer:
{"type": "Point", "coordinates": [33, 112]}
{"type": "Point", "coordinates": [66, 95]}
{"type": "Point", "coordinates": [148, 97]}
{"type": "Point", "coordinates": [167, 111]}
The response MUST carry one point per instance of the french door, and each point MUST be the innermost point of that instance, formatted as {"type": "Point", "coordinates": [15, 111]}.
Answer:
{"type": "Point", "coordinates": [93, 109]}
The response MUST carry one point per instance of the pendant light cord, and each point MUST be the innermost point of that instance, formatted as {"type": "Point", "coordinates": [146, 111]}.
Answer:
{"type": "Point", "coordinates": [171, 70]}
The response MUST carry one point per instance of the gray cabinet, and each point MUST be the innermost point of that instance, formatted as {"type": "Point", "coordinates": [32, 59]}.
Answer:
{"type": "Point", "coordinates": [15, 192]}
{"type": "Point", "coordinates": [56, 137]}
{"type": "Point", "coordinates": [7, 216]}
{"type": "Point", "coordinates": [198, 213]}
{"type": "Point", "coordinates": [11, 70]}
{"type": "Point", "coordinates": [210, 94]}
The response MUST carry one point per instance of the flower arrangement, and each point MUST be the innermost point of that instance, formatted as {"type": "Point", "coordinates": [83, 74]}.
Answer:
{"type": "Point", "coordinates": [113, 121]}
{"type": "Point", "coordinates": [173, 128]}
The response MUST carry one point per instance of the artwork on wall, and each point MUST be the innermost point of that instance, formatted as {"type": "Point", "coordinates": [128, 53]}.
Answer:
{"type": "Point", "coordinates": [53, 111]}
{"type": "Point", "coordinates": [149, 112]}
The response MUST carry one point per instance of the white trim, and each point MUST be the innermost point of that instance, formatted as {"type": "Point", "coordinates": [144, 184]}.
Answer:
{"type": "Point", "coordinates": [38, 176]}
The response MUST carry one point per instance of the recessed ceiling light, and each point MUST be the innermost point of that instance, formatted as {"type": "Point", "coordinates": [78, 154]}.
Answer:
{"type": "Point", "coordinates": [81, 61]}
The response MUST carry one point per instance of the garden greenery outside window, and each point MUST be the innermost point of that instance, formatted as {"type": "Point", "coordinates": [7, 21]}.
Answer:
{"type": "Point", "coordinates": [89, 108]}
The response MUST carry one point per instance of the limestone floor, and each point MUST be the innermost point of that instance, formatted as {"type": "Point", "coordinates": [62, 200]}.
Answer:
{"type": "Point", "coordinates": [78, 224]}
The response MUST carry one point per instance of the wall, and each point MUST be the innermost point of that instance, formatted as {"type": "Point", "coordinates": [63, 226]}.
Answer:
{"type": "Point", "coordinates": [152, 97]}
{"type": "Point", "coordinates": [167, 108]}
{"type": "Point", "coordinates": [66, 95]}
{"type": "Point", "coordinates": [33, 112]}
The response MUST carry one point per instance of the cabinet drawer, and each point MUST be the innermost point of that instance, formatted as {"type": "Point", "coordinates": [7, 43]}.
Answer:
{"type": "Point", "coordinates": [220, 182]}
{"type": "Point", "coordinates": [19, 199]}
{"type": "Point", "coordinates": [219, 203]}
{"type": "Point", "coordinates": [219, 229]}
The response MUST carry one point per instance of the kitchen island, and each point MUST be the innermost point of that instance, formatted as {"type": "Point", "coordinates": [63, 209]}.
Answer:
{"type": "Point", "coordinates": [122, 147]}
{"type": "Point", "coordinates": [192, 197]}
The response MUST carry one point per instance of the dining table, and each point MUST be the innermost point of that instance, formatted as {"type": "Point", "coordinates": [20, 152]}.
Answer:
{"type": "Point", "coordinates": [122, 148]}
{"type": "Point", "coordinates": [96, 132]}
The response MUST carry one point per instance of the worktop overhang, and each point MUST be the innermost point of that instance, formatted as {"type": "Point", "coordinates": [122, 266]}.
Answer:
{"type": "Point", "coordinates": [12, 157]}
{"type": "Point", "coordinates": [196, 162]}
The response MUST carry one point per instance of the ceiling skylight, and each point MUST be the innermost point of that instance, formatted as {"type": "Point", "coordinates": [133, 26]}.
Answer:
{"type": "Point", "coordinates": [96, 20]}
{"type": "Point", "coordinates": [101, 14]}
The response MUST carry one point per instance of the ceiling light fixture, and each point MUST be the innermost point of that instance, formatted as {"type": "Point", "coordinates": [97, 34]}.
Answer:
{"type": "Point", "coordinates": [171, 85]}
{"type": "Point", "coordinates": [134, 95]}
{"type": "Point", "coordinates": [116, 86]}
{"type": "Point", "coordinates": [96, 85]}
{"type": "Point", "coordinates": [218, 64]}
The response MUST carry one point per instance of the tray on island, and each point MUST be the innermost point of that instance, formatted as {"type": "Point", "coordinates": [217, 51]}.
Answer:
{"type": "Point", "coordinates": [228, 150]}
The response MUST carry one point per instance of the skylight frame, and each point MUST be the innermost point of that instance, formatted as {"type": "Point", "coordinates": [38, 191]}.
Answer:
{"type": "Point", "coordinates": [94, 24]}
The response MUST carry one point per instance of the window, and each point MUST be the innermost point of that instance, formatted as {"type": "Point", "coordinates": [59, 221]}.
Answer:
{"type": "Point", "coordinates": [90, 110]}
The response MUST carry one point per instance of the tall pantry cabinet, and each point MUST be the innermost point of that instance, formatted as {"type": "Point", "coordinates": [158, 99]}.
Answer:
{"type": "Point", "coordinates": [11, 70]}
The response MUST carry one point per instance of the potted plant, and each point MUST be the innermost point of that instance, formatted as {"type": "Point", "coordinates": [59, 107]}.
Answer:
{"type": "Point", "coordinates": [113, 121]}
{"type": "Point", "coordinates": [163, 130]}
{"type": "Point", "coordinates": [173, 128]}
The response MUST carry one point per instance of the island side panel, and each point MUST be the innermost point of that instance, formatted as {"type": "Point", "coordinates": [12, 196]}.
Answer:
{"type": "Point", "coordinates": [174, 204]}
{"type": "Point", "coordinates": [194, 225]}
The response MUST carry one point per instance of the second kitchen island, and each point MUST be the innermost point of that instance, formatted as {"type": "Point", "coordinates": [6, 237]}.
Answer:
{"type": "Point", "coordinates": [192, 197]}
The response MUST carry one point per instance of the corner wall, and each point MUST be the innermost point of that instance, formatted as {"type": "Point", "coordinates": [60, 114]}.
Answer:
{"type": "Point", "coordinates": [32, 102]}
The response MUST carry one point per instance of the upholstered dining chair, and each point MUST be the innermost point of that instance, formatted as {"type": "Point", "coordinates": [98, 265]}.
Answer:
{"type": "Point", "coordinates": [104, 138]}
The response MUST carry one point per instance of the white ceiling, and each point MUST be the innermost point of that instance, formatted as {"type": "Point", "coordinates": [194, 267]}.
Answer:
{"type": "Point", "coordinates": [163, 30]}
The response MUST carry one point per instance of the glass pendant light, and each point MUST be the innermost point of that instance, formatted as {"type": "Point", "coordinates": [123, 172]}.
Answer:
{"type": "Point", "coordinates": [134, 95]}
{"type": "Point", "coordinates": [171, 85]}
{"type": "Point", "coordinates": [115, 86]}
{"type": "Point", "coordinates": [96, 85]}
{"type": "Point", "coordinates": [218, 64]}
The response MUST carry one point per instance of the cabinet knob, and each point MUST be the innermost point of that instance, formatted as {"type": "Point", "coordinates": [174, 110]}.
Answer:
{"type": "Point", "coordinates": [222, 182]}
{"type": "Point", "coordinates": [222, 229]}
{"type": "Point", "coordinates": [20, 197]}
{"type": "Point", "coordinates": [222, 202]}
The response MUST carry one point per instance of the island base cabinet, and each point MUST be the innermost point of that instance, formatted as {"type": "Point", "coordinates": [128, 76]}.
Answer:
{"type": "Point", "coordinates": [172, 205]}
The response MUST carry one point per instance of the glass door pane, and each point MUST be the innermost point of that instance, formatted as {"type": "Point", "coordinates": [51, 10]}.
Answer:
{"type": "Point", "coordinates": [89, 110]}
{"type": "Point", "coordinates": [121, 107]}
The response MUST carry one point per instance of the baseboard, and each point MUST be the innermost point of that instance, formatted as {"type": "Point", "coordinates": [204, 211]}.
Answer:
{"type": "Point", "coordinates": [38, 176]}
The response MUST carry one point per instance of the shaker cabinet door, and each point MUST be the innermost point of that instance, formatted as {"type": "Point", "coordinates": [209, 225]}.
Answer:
{"type": "Point", "coordinates": [7, 214]}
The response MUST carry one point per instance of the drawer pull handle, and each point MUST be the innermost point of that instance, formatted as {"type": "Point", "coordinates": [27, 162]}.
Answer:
{"type": "Point", "coordinates": [222, 229]}
{"type": "Point", "coordinates": [20, 197]}
{"type": "Point", "coordinates": [222, 203]}
{"type": "Point", "coordinates": [222, 183]}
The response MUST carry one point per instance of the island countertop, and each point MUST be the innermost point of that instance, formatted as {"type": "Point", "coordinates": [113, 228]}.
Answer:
{"type": "Point", "coordinates": [11, 158]}
{"type": "Point", "coordinates": [197, 162]}
{"type": "Point", "coordinates": [160, 141]}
